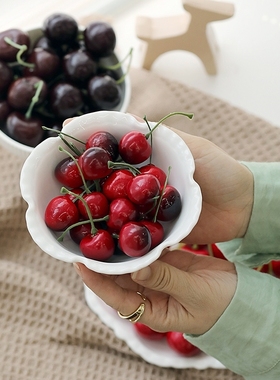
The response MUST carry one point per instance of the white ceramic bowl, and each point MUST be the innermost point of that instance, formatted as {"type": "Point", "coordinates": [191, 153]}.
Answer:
{"type": "Point", "coordinates": [22, 150]}
{"type": "Point", "coordinates": [38, 186]}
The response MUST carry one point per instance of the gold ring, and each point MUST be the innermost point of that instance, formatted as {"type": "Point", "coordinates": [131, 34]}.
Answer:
{"type": "Point", "coordinates": [136, 315]}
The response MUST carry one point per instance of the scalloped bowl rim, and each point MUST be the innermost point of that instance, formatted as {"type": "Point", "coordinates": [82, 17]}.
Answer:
{"type": "Point", "coordinates": [80, 126]}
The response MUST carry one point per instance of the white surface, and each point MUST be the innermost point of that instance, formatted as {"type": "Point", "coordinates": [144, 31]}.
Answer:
{"type": "Point", "coordinates": [248, 56]}
{"type": "Point", "coordinates": [39, 186]}
{"type": "Point", "coordinates": [154, 352]}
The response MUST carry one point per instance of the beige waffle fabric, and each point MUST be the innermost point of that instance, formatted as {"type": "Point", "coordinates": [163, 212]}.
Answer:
{"type": "Point", "coordinates": [47, 331]}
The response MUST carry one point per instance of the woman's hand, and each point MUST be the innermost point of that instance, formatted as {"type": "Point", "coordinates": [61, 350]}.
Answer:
{"type": "Point", "coordinates": [185, 292]}
{"type": "Point", "coordinates": [227, 193]}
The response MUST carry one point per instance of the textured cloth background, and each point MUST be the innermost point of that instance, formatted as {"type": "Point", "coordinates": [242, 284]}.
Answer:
{"type": "Point", "coordinates": [47, 332]}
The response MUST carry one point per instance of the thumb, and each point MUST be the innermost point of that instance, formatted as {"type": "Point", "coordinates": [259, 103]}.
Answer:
{"type": "Point", "coordinates": [162, 277]}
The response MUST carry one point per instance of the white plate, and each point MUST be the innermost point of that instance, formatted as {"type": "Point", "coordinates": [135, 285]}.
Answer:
{"type": "Point", "coordinates": [153, 352]}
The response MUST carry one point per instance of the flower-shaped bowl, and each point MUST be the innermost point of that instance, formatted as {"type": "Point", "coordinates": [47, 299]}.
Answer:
{"type": "Point", "coordinates": [39, 185]}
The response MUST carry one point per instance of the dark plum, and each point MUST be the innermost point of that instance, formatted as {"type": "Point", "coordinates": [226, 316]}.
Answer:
{"type": "Point", "coordinates": [6, 78]}
{"type": "Point", "coordinates": [27, 131]}
{"type": "Point", "coordinates": [8, 52]}
{"type": "Point", "coordinates": [46, 64]}
{"type": "Point", "coordinates": [5, 110]}
{"type": "Point", "coordinates": [79, 67]}
{"type": "Point", "coordinates": [22, 90]}
{"type": "Point", "coordinates": [60, 28]}
{"type": "Point", "coordinates": [100, 38]}
{"type": "Point", "coordinates": [104, 92]}
{"type": "Point", "coordinates": [45, 43]}
{"type": "Point", "coordinates": [65, 100]}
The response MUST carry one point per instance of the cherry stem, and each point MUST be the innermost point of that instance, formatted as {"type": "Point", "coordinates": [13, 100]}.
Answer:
{"type": "Point", "coordinates": [151, 135]}
{"type": "Point", "coordinates": [91, 220]}
{"type": "Point", "coordinates": [123, 165]}
{"type": "Point", "coordinates": [189, 115]}
{"type": "Point", "coordinates": [61, 237]}
{"type": "Point", "coordinates": [63, 133]}
{"type": "Point", "coordinates": [87, 190]}
{"type": "Point", "coordinates": [35, 99]}
{"type": "Point", "coordinates": [161, 196]}
{"type": "Point", "coordinates": [21, 50]}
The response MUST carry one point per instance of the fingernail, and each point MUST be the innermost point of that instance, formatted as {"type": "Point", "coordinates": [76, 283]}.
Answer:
{"type": "Point", "coordinates": [66, 121]}
{"type": "Point", "coordinates": [77, 268]}
{"type": "Point", "coordinates": [142, 274]}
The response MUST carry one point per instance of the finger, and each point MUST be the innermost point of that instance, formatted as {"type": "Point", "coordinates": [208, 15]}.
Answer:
{"type": "Point", "coordinates": [66, 121]}
{"type": "Point", "coordinates": [119, 298]}
{"type": "Point", "coordinates": [162, 277]}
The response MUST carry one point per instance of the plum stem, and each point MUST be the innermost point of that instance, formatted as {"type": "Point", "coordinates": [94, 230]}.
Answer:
{"type": "Point", "coordinates": [21, 50]}
{"type": "Point", "coordinates": [34, 100]}
{"type": "Point", "coordinates": [119, 64]}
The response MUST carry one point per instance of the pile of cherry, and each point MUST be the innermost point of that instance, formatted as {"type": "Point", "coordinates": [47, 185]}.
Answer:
{"type": "Point", "coordinates": [59, 76]}
{"type": "Point", "coordinates": [113, 199]}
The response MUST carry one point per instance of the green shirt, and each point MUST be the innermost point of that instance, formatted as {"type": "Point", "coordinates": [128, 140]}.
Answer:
{"type": "Point", "coordinates": [246, 338]}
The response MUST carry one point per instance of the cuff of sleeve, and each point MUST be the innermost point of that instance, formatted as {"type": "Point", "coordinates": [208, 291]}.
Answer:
{"type": "Point", "coordinates": [246, 337]}
{"type": "Point", "coordinates": [261, 242]}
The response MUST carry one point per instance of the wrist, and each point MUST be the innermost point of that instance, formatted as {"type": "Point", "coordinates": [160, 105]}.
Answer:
{"type": "Point", "coordinates": [247, 201]}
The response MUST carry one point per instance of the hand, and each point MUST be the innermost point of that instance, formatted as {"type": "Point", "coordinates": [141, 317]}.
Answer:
{"type": "Point", "coordinates": [185, 292]}
{"type": "Point", "coordinates": [227, 193]}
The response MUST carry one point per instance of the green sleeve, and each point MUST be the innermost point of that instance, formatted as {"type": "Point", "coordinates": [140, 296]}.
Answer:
{"type": "Point", "coordinates": [261, 243]}
{"type": "Point", "coordinates": [246, 337]}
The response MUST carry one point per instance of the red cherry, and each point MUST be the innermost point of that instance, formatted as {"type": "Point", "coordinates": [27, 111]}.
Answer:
{"type": "Point", "coordinates": [77, 191]}
{"type": "Point", "coordinates": [61, 213]}
{"type": "Point", "coordinates": [122, 210]}
{"type": "Point", "coordinates": [25, 130]}
{"type": "Point", "coordinates": [97, 204]}
{"type": "Point", "coordinates": [156, 171]}
{"type": "Point", "coordinates": [156, 230]}
{"type": "Point", "coordinates": [147, 211]}
{"type": "Point", "coordinates": [79, 232]}
{"type": "Point", "coordinates": [99, 246]}
{"type": "Point", "coordinates": [217, 252]}
{"type": "Point", "coordinates": [94, 163]}
{"type": "Point", "coordinates": [134, 147]}
{"type": "Point", "coordinates": [143, 188]}
{"type": "Point", "coordinates": [68, 174]}
{"type": "Point", "coordinates": [134, 239]}
{"type": "Point", "coordinates": [106, 141]}
{"type": "Point", "coordinates": [178, 343]}
{"type": "Point", "coordinates": [171, 204]}
{"type": "Point", "coordinates": [276, 268]}
{"type": "Point", "coordinates": [115, 185]}
{"type": "Point", "coordinates": [148, 333]}
{"type": "Point", "coordinates": [265, 268]}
